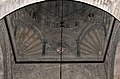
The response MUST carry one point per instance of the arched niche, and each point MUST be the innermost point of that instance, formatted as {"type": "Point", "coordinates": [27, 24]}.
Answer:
{"type": "Point", "coordinates": [24, 3]}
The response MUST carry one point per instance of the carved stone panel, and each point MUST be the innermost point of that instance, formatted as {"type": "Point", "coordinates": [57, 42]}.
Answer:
{"type": "Point", "coordinates": [37, 33]}
{"type": "Point", "coordinates": [36, 71]}
{"type": "Point", "coordinates": [83, 71]}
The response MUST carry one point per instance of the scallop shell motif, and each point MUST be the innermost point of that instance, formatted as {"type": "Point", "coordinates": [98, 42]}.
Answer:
{"type": "Point", "coordinates": [28, 41]}
{"type": "Point", "coordinates": [93, 41]}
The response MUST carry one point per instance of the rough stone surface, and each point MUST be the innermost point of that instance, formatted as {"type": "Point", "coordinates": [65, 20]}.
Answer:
{"type": "Point", "coordinates": [31, 27]}
{"type": "Point", "coordinates": [69, 71]}
{"type": "Point", "coordinates": [117, 63]}
{"type": "Point", "coordinates": [36, 71]}
{"type": "Point", "coordinates": [74, 71]}
{"type": "Point", "coordinates": [111, 6]}
{"type": "Point", "coordinates": [1, 64]}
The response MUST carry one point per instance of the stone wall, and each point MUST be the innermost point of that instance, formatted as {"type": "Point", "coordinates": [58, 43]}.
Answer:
{"type": "Point", "coordinates": [20, 71]}
{"type": "Point", "coordinates": [117, 61]}
{"type": "Point", "coordinates": [111, 6]}
{"type": "Point", "coordinates": [1, 64]}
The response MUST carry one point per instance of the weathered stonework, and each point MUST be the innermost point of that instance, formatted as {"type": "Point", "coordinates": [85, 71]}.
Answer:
{"type": "Point", "coordinates": [30, 30]}
{"type": "Point", "coordinates": [111, 6]}
{"type": "Point", "coordinates": [6, 50]}
{"type": "Point", "coordinates": [69, 71]}
{"type": "Point", "coordinates": [117, 63]}
{"type": "Point", "coordinates": [1, 65]}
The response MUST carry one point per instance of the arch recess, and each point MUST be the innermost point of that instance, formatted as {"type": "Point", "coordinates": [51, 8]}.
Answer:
{"type": "Point", "coordinates": [111, 6]}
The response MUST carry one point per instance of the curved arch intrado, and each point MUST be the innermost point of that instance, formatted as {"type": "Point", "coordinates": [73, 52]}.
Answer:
{"type": "Point", "coordinates": [111, 6]}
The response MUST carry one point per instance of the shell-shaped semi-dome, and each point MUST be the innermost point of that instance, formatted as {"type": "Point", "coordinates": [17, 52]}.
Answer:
{"type": "Point", "coordinates": [92, 41]}
{"type": "Point", "coordinates": [28, 41]}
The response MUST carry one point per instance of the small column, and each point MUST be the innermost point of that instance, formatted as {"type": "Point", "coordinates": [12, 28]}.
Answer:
{"type": "Point", "coordinates": [78, 48]}
{"type": "Point", "coordinates": [44, 48]}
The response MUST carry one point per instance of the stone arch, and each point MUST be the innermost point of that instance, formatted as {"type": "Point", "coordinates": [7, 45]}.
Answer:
{"type": "Point", "coordinates": [111, 6]}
